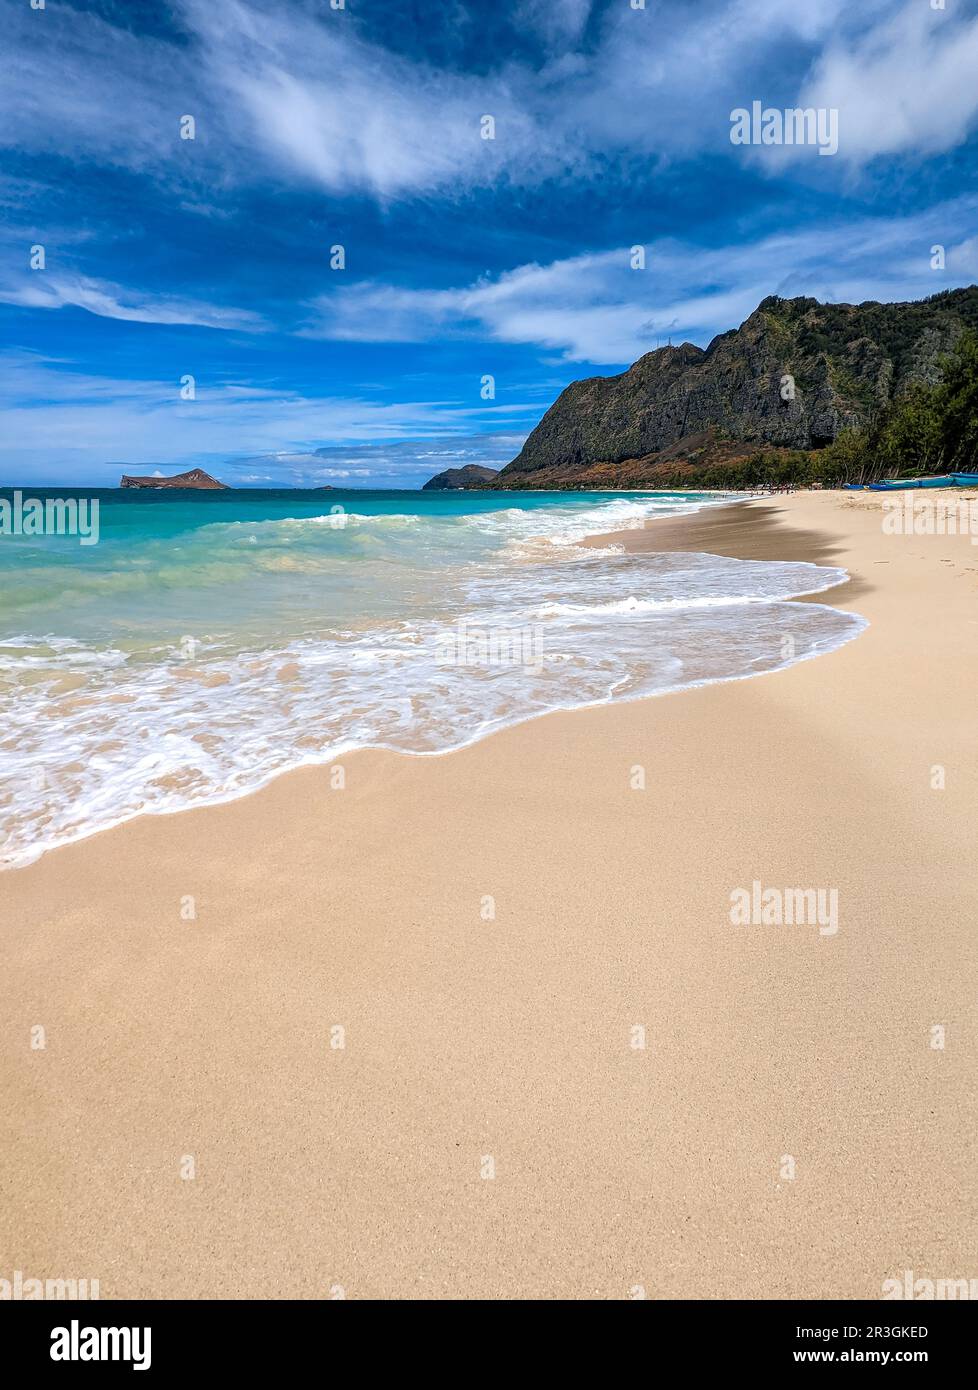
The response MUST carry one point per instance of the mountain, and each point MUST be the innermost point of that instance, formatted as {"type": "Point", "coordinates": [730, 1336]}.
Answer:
{"type": "Point", "coordinates": [473, 475]}
{"type": "Point", "coordinates": [791, 377]}
{"type": "Point", "coordinates": [196, 478]}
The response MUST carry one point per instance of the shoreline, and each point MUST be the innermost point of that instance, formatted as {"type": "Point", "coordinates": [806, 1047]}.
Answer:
{"type": "Point", "coordinates": [510, 1037]}
{"type": "Point", "coordinates": [721, 530]}
{"type": "Point", "coordinates": [679, 539]}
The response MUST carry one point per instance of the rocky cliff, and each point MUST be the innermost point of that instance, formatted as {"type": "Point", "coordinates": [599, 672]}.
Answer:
{"type": "Point", "coordinates": [791, 377]}
{"type": "Point", "coordinates": [196, 478]}
{"type": "Point", "coordinates": [472, 475]}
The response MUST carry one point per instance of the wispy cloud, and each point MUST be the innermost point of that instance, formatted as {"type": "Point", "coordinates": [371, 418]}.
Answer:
{"type": "Point", "coordinates": [298, 94]}
{"type": "Point", "coordinates": [42, 290]}
{"type": "Point", "coordinates": [61, 418]}
{"type": "Point", "coordinates": [403, 463]}
{"type": "Point", "coordinates": [597, 308]}
{"type": "Point", "coordinates": [560, 25]}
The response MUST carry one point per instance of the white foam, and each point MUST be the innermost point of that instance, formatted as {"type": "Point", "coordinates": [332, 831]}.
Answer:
{"type": "Point", "coordinates": [158, 733]}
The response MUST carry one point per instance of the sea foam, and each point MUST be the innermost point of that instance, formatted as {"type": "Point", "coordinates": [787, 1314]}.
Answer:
{"type": "Point", "coordinates": [249, 648]}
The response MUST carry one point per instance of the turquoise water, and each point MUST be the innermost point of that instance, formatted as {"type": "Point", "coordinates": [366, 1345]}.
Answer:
{"type": "Point", "coordinates": [210, 641]}
{"type": "Point", "coordinates": [264, 557]}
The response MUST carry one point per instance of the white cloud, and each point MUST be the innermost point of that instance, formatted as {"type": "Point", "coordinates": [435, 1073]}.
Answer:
{"type": "Point", "coordinates": [305, 99]}
{"type": "Point", "coordinates": [558, 22]}
{"type": "Point", "coordinates": [964, 259]}
{"type": "Point", "coordinates": [293, 95]}
{"type": "Point", "coordinates": [400, 463]}
{"type": "Point", "coordinates": [42, 290]}
{"type": "Point", "coordinates": [85, 89]}
{"type": "Point", "coordinates": [595, 308]}
{"type": "Point", "coordinates": [54, 414]}
{"type": "Point", "coordinates": [909, 85]}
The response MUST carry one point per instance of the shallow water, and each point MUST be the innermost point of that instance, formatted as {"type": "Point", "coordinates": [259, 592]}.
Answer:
{"type": "Point", "coordinates": [208, 643]}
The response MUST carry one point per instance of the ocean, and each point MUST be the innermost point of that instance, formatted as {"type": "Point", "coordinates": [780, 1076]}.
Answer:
{"type": "Point", "coordinates": [211, 641]}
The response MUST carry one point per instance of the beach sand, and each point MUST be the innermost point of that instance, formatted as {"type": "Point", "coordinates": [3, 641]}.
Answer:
{"type": "Point", "coordinates": [506, 1044]}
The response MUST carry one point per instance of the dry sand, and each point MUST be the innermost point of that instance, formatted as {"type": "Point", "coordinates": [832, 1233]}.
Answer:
{"type": "Point", "coordinates": [360, 1168]}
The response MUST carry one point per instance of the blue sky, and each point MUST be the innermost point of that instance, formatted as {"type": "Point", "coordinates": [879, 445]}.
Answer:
{"type": "Point", "coordinates": [465, 257]}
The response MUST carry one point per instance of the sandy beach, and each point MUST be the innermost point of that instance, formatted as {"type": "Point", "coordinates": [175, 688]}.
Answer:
{"type": "Point", "coordinates": [489, 1127]}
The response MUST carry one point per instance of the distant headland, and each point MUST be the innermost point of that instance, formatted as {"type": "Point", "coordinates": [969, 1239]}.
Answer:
{"type": "Point", "coordinates": [473, 475]}
{"type": "Point", "coordinates": [196, 478]}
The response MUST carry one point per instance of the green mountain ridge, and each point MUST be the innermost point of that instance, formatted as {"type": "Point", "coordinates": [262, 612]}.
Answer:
{"type": "Point", "coordinates": [794, 376]}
